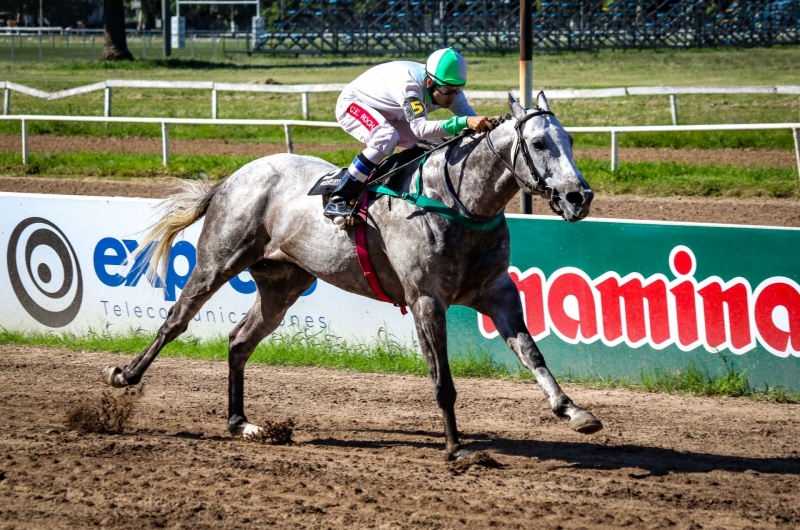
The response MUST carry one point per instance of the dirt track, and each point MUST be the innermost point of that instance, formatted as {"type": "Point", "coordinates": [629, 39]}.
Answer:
{"type": "Point", "coordinates": [368, 454]}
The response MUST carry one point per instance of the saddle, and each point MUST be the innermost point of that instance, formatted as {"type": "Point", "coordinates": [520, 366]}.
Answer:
{"type": "Point", "coordinates": [328, 182]}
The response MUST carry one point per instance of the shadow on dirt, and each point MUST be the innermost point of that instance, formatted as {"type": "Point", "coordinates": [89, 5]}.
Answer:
{"type": "Point", "coordinates": [655, 461]}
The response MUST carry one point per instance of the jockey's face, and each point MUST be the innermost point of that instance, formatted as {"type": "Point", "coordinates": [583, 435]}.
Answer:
{"type": "Point", "coordinates": [443, 100]}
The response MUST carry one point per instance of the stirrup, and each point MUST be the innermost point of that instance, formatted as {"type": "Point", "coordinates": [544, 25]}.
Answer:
{"type": "Point", "coordinates": [340, 208]}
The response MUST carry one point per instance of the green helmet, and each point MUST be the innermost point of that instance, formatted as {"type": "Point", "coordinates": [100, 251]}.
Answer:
{"type": "Point", "coordinates": [447, 67]}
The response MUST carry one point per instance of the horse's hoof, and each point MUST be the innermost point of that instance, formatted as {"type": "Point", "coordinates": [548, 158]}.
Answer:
{"type": "Point", "coordinates": [112, 376]}
{"type": "Point", "coordinates": [585, 423]}
{"type": "Point", "coordinates": [459, 453]}
{"type": "Point", "coordinates": [250, 432]}
{"type": "Point", "coordinates": [340, 221]}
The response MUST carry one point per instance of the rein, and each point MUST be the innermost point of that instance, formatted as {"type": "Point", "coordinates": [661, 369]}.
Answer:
{"type": "Point", "coordinates": [465, 217]}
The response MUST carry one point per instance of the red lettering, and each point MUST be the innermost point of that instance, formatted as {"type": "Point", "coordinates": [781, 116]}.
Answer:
{"type": "Point", "coordinates": [486, 324]}
{"type": "Point", "coordinates": [362, 115]}
{"type": "Point", "coordinates": [564, 286]}
{"type": "Point", "coordinates": [735, 298]}
{"type": "Point", "coordinates": [686, 313]}
{"type": "Point", "coordinates": [531, 295]}
{"type": "Point", "coordinates": [771, 297]}
{"type": "Point", "coordinates": [633, 295]}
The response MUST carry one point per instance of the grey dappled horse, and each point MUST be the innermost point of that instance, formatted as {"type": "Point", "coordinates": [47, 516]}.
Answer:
{"type": "Point", "coordinates": [260, 218]}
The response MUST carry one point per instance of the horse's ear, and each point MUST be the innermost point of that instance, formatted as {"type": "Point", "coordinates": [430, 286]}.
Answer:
{"type": "Point", "coordinates": [541, 101]}
{"type": "Point", "coordinates": [516, 108]}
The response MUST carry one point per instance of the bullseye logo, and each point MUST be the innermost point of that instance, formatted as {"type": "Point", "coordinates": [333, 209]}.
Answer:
{"type": "Point", "coordinates": [44, 272]}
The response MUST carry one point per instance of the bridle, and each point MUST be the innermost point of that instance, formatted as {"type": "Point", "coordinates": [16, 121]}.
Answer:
{"type": "Point", "coordinates": [540, 185]}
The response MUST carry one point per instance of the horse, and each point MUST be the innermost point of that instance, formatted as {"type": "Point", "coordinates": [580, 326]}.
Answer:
{"type": "Point", "coordinates": [260, 218]}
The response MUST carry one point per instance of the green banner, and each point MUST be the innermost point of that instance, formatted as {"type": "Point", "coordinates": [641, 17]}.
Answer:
{"type": "Point", "coordinates": [621, 299]}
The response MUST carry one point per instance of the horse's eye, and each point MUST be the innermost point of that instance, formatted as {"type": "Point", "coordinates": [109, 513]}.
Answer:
{"type": "Point", "coordinates": [538, 145]}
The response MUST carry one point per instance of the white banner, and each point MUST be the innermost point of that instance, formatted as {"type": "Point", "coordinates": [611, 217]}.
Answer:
{"type": "Point", "coordinates": [65, 271]}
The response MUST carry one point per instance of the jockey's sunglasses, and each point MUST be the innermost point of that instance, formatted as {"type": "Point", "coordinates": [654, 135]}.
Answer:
{"type": "Point", "coordinates": [447, 90]}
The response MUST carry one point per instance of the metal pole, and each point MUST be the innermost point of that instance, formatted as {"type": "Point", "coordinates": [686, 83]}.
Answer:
{"type": "Point", "coordinates": [526, 53]}
{"type": "Point", "coordinates": [25, 142]}
{"type": "Point", "coordinates": [304, 99]}
{"type": "Point", "coordinates": [40, 45]}
{"type": "Point", "coordinates": [165, 142]}
{"type": "Point", "coordinates": [796, 134]}
{"type": "Point", "coordinates": [673, 106]}
{"type": "Point", "coordinates": [7, 102]}
{"type": "Point", "coordinates": [192, 47]}
{"type": "Point", "coordinates": [287, 129]}
{"type": "Point", "coordinates": [165, 27]}
{"type": "Point", "coordinates": [67, 40]}
{"type": "Point", "coordinates": [12, 47]}
{"type": "Point", "coordinates": [214, 103]}
{"type": "Point", "coordinates": [214, 44]}
{"type": "Point", "coordinates": [526, 74]}
{"type": "Point", "coordinates": [614, 151]}
{"type": "Point", "coordinates": [144, 50]}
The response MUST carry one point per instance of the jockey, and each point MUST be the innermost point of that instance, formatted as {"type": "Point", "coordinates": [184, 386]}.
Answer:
{"type": "Point", "coordinates": [387, 106]}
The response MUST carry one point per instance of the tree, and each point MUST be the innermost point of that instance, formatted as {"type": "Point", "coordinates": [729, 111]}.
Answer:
{"type": "Point", "coordinates": [115, 46]}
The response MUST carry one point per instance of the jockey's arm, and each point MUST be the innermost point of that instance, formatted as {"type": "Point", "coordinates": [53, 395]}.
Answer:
{"type": "Point", "coordinates": [465, 117]}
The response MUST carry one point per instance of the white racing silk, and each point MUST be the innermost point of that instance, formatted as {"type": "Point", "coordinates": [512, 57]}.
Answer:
{"type": "Point", "coordinates": [371, 108]}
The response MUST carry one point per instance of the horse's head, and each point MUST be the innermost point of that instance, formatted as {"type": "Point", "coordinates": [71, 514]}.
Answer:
{"type": "Point", "coordinates": [546, 148]}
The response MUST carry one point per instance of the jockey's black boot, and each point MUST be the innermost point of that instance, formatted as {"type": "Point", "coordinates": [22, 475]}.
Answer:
{"type": "Point", "coordinates": [343, 198]}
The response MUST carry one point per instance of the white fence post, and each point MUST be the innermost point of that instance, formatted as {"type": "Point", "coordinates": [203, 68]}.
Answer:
{"type": "Point", "coordinates": [304, 98]}
{"type": "Point", "coordinates": [673, 106]}
{"type": "Point", "coordinates": [165, 142]}
{"type": "Point", "coordinates": [7, 101]}
{"type": "Point", "coordinates": [614, 151]}
{"type": "Point", "coordinates": [25, 142]}
{"type": "Point", "coordinates": [287, 129]}
{"type": "Point", "coordinates": [107, 103]}
{"type": "Point", "coordinates": [214, 103]}
{"type": "Point", "coordinates": [796, 134]}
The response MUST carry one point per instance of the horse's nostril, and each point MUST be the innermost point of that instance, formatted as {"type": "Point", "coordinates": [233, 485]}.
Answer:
{"type": "Point", "coordinates": [575, 197]}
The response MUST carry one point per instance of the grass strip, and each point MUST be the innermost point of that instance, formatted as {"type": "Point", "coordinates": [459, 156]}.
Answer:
{"type": "Point", "coordinates": [640, 178]}
{"type": "Point", "coordinates": [387, 355]}
{"type": "Point", "coordinates": [673, 178]}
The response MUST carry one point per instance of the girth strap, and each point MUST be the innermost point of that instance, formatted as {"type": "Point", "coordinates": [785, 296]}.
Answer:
{"type": "Point", "coordinates": [362, 252]}
{"type": "Point", "coordinates": [437, 207]}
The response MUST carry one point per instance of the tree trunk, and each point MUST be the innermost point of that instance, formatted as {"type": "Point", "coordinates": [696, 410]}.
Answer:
{"type": "Point", "coordinates": [115, 47]}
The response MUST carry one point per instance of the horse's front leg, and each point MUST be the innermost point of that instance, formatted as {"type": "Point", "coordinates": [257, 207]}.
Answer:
{"type": "Point", "coordinates": [502, 304]}
{"type": "Point", "coordinates": [429, 317]}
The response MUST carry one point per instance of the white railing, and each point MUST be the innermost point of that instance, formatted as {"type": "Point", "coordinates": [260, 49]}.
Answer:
{"type": "Point", "coordinates": [304, 90]}
{"type": "Point", "coordinates": [287, 125]}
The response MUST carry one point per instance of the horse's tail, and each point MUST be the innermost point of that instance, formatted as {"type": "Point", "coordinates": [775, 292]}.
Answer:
{"type": "Point", "coordinates": [180, 210]}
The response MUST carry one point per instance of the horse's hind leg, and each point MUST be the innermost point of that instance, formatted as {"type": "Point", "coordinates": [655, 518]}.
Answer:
{"type": "Point", "coordinates": [279, 285]}
{"type": "Point", "coordinates": [502, 304]}
{"type": "Point", "coordinates": [202, 284]}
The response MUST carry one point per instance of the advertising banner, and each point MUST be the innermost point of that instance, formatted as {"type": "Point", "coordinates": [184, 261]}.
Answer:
{"type": "Point", "coordinates": [601, 298]}
{"type": "Point", "coordinates": [624, 298]}
{"type": "Point", "coordinates": [66, 268]}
